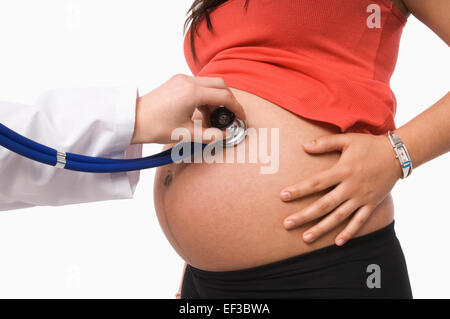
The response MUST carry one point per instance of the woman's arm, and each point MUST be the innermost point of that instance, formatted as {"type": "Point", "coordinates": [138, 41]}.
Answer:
{"type": "Point", "coordinates": [434, 14]}
{"type": "Point", "coordinates": [367, 169]}
{"type": "Point", "coordinates": [366, 172]}
{"type": "Point", "coordinates": [428, 135]}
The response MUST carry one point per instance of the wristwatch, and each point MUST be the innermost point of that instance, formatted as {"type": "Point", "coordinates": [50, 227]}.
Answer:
{"type": "Point", "coordinates": [401, 153]}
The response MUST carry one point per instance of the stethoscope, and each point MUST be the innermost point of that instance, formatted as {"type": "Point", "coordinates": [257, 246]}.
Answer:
{"type": "Point", "coordinates": [221, 118]}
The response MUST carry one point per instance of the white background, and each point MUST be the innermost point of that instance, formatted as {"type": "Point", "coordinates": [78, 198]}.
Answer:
{"type": "Point", "coordinates": [116, 249]}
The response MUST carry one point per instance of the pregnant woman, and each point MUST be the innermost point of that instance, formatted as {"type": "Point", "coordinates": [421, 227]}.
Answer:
{"type": "Point", "coordinates": [315, 70]}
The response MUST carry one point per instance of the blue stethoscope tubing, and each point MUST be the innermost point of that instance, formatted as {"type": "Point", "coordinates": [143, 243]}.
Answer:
{"type": "Point", "coordinates": [28, 148]}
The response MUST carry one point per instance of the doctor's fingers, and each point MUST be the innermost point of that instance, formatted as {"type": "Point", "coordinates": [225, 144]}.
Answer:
{"type": "Point", "coordinates": [219, 94]}
{"type": "Point", "coordinates": [206, 81]}
{"type": "Point", "coordinates": [214, 82]}
{"type": "Point", "coordinates": [217, 97]}
{"type": "Point", "coordinates": [205, 111]}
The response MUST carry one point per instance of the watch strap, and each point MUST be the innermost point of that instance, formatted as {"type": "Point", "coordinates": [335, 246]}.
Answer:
{"type": "Point", "coordinates": [401, 153]}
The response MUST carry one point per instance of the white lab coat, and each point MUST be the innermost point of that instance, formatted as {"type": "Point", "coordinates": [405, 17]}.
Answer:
{"type": "Point", "coordinates": [88, 121]}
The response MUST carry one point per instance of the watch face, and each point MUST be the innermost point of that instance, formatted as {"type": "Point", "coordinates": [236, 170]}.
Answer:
{"type": "Point", "coordinates": [402, 153]}
{"type": "Point", "coordinates": [403, 156]}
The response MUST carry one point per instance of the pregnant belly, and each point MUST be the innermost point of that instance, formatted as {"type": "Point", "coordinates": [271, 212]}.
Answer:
{"type": "Point", "coordinates": [228, 216]}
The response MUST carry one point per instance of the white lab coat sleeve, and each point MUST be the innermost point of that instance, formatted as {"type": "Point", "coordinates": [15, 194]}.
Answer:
{"type": "Point", "coordinates": [88, 121]}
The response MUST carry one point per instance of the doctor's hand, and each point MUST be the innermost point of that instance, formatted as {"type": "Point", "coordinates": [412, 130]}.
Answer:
{"type": "Point", "coordinates": [172, 106]}
{"type": "Point", "coordinates": [364, 174]}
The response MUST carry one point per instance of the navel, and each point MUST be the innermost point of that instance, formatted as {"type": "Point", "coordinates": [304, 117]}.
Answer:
{"type": "Point", "coordinates": [168, 178]}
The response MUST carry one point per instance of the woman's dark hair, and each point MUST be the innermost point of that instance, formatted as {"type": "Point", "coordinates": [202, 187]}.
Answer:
{"type": "Point", "coordinates": [201, 9]}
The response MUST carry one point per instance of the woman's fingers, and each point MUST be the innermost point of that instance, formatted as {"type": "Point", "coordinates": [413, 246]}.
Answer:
{"type": "Point", "coordinates": [330, 222]}
{"type": "Point", "coordinates": [315, 184]}
{"type": "Point", "coordinates": [354, 225]}
{"type": "Point", "coordinates": [320, 207]}
{"type": "Point", "coordinates": [327, 143]}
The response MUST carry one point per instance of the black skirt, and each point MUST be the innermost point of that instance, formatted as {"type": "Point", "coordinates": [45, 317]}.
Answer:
{"type": "Point", "coordinates": [370, 266]}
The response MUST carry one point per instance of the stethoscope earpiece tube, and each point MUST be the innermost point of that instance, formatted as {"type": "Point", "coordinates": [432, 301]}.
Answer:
{"type": "Point", "coordinates": [75, 162]}
{"type": "Point", "coordinates": [221, 118]}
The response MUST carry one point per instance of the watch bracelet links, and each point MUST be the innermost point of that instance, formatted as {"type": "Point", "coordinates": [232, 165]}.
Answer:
{"type": "Point", "coordinates": [397, 144]}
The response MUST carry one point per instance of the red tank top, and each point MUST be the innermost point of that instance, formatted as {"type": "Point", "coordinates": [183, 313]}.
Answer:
{"type": "Point", "coordinates": [325, 60]}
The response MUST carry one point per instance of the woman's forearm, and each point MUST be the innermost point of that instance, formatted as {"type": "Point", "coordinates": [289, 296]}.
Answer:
{"type": "Point", "coordinates": [428, 135]}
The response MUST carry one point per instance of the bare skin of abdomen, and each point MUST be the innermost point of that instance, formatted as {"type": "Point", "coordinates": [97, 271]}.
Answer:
{"type": "Point", "coordinates": [229, 216]}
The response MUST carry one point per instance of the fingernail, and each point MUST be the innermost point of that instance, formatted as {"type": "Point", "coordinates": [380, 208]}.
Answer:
{"type": "Point", "coordinates": [308, 236]}
{"type": "Point", "coordinates": [288, 223]}
{"type": "Point", "coordinates": [340, 242]}
{"type": "Point", "coordinates": [285, 195]}
{"type": "Point", "coordinates": [310, 143]}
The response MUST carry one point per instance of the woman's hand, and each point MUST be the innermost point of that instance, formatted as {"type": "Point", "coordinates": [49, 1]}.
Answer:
{"type": "Point", "coordinates": [365, 173]}
{"type": "Point", "coordinates": [172, 106]}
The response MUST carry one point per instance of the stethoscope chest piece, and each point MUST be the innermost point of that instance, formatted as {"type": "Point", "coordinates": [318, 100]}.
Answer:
{"type": "Point", "coordinates": [237, 131]}
{"type": "Point", "coordinates": [223, 118]}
